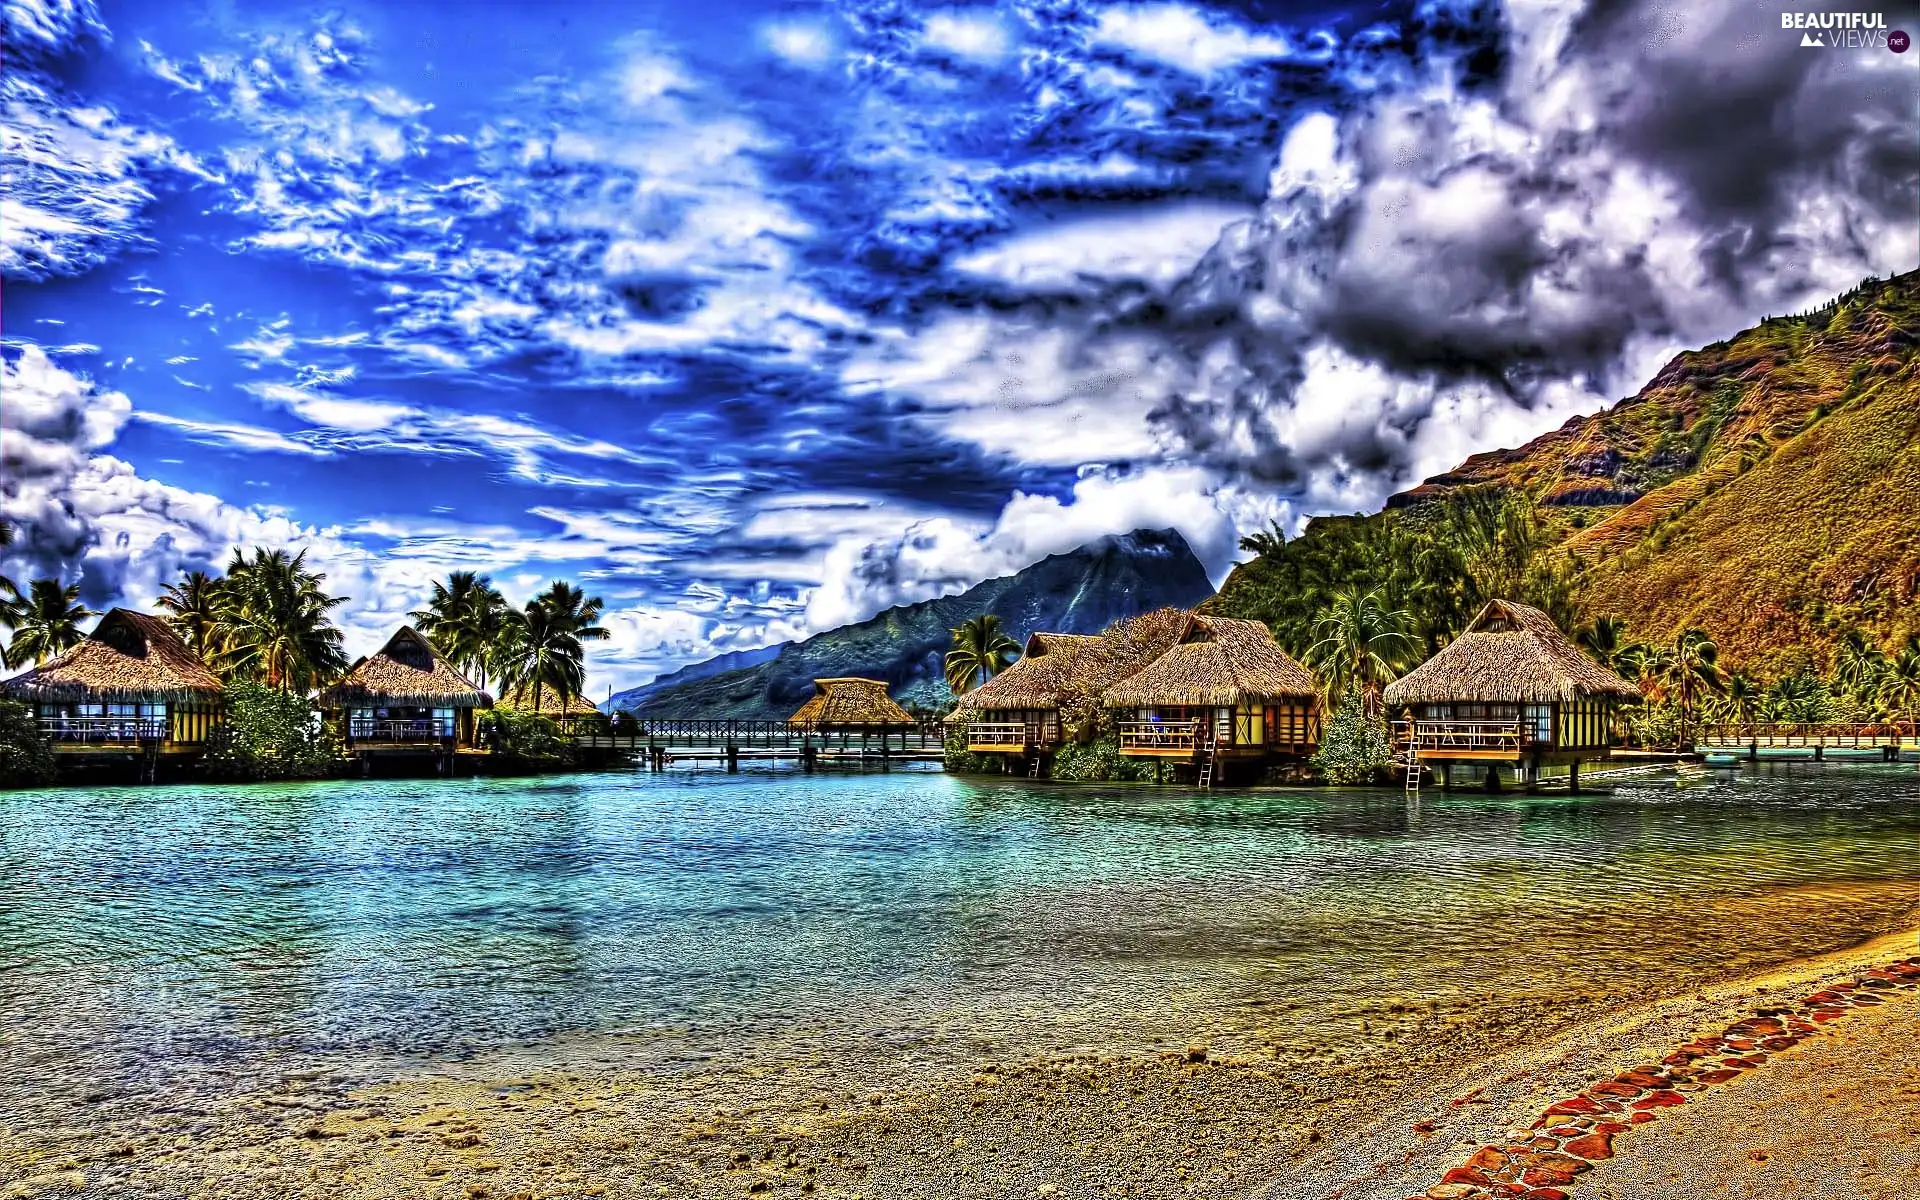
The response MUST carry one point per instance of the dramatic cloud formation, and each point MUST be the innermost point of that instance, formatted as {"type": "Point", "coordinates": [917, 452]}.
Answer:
{"type": "Point", "coordinates": [759, 322]}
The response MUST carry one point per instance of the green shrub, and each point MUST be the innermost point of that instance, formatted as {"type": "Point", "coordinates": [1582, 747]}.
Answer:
{"type": "Point", "coordinates": [1354, 748]}
{"type": "Point", "coordinates": [525, 738]}
{"type": "Point", "coordinates": [1099, 760]}
{"type": "Point", "coordinates": [271, 734]}
{"type": "Point", "coordinates": [26, 758]}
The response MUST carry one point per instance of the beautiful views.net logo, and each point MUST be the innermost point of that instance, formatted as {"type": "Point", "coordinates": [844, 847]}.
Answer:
{"type": "Point", "coordinates": [1834, 30]}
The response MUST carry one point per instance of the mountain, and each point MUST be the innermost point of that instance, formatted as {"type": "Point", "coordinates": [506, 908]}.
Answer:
{"type": "Point", "coordinates": [1765, 489]}
{"type": "Point", "coordinates": [733, 660]}
{"type": "Point", "coordinates": [1082, 591]}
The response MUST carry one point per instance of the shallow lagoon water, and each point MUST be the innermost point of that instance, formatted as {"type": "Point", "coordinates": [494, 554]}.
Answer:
{"type": "Point", "coordinates": [170, 939]}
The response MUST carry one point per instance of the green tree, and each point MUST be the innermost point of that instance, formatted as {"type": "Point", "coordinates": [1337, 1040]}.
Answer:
{"type": "Point", "coordinates": [26, 756]}
{"type": "Point", "coordinates": [1858, 665]}
{"type": "Point", "coordinates": [10, 606]}
{"type": "Point", "coordinates": [193, 610]}
{"type": "Point", "coordinates": [467, 619]}
{"type": "Point", "coordinates": [1360, 646]}
{"type": "Point", "coordinates": [1602, 638]}
{"type": "Point", "coordinates": [541, 648]}
{"type": "Point", "coordinates": [47, 622]}
{"type": "Point", "coordinates": [1900, 683]}
{"type": "Point", "coordinates": [271, 733]}
{"type": "Point", "coordinates": [981, 650]}
{"type": "Point", "coordinates": [1741, 700]}
{"type": "Point", "coordinates": [1355, 746]}
{"type": "Point", "coordinates": [275, 624]}
{"type": "Point", "coordinates": [1269, 541]}
{"type": "Point", "coordinates": [1694, 671]}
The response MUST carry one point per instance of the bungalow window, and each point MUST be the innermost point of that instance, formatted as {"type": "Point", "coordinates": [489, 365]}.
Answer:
{"type": "Point", "coordinates": [1539, 719]}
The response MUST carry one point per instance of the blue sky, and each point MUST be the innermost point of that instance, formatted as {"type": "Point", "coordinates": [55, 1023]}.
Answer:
{"type": "Point", "coordinates": [758, 318]}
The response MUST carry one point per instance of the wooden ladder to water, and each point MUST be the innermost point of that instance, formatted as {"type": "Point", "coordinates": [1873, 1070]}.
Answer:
{"type": "Point", "coordinates": [1206, 762]}
{"type": "Point", "coordinates": [1410, 749]}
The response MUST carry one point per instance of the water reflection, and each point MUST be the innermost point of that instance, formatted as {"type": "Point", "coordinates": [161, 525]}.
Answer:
{"type": "Point", "coordinates": [149, 936]}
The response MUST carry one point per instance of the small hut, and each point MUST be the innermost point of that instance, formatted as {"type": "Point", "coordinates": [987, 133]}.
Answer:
{"type": "Point", "coordinates": [406, 695]}
{"type": "Point", "coordinates": [1018, 710]}
{"type": "Point", "coordinates": [850, 704]}
{"type": "Point", "coordinates": [131, 684]}
{"type": "Point", "coordinates": [1511, 690]}
{"type": "Point", "coordinates": [567, 712]}
{"type": "Point", "coordinates": [1226, 690]}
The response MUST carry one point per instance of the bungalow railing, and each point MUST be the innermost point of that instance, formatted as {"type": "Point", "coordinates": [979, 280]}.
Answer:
{"type": "Point", "coordinates": [1159, 735]}
{"type": "Point", "coordinates": [1012, 733]}
{"type": "Point", "coordinates": [1509, 736]}
{"type": "Point", "coordinates": [418, 729]}
{"type": "Point", "coordinates": [104, 729]}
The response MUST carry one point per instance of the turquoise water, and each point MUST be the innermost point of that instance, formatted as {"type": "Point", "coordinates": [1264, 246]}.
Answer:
{"type": "Point", "coordinates": [171, 938]}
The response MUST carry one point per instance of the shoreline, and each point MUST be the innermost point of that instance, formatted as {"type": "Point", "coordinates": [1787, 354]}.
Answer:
{"type": "Point", "coordinates": [1309, 1119]}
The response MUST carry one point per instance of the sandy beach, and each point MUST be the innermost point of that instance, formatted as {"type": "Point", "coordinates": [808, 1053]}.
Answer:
{"type": "Point", "coordinates": [1300, 1116]}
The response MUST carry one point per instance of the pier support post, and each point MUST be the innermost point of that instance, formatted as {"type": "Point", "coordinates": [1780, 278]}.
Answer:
{"type": "Point", "coordinates": [807, 754]}
{"type": "Point", "coordinates": [1753, 750]}
{"type": "Point", "coordinates": [366, 765]}
{"type": "Point", "coordinates": [733, 756]}
{"type": "Point", "coordinates": [1493, 780]}
{"type": "Point", "coordinates": [1819, 752]}
{"type": "Point", "coordinates": [1573, 777]}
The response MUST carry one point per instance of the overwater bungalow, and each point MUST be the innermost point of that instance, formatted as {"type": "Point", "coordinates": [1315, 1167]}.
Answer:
{"type": "Point", "coordinates": [851, 705]}
{"type": "Point", "coordinates": [1018, 711]}
{"type": "Point", "coordinates": [132, 691]}
{"type": "Point", "coordinates": [405, 698]}
{"type": "Point", "coordinates": [1512, 691]}
{"type": "Point", "coordinates": [1225, 693]}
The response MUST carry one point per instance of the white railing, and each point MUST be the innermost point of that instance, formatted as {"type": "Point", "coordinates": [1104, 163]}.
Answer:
{"type": "Point", "coordinates": [1001, 733]}
{"type": "Point", "coordinates": [104, 729]}
{"type": "Point", "coordinates": [1159, 735]}
{"type": "Point", "coordinates": [419, 729]}
{"type": "Point", "coordinates": [1506, 736]}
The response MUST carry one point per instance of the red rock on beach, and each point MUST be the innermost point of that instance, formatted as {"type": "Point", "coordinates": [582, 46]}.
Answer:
{"type": "Point", "coordinates": [1660, 1100]}
{"type": "Point", "coordinates": [1574, 1106]}
{"type": "Point", "coordinates": [1593, 1147]}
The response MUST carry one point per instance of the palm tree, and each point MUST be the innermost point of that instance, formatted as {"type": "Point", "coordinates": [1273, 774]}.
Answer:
{"type": "Point", "coordinates": [1648, 666]}
{"type": "Point", "coordinates": [274, 623]}
{"type": "Point", "coordinates": [1858, 665]}
{"type": "Point", "coordinates": [193, 609]}
{"type": "Point", "coordinates": [981, 650]}
{"type": "Point", "coordinates": [466, 619]}
{"type": "Point", "coordinates": [10, 601]}
{"type": "Point", "coordinates": [1900, 683]}
{"type": "Point", "coordinates": [1265, 542]}
{"type": "Point", "coordinates": [1360, 643]}
{"type": "Point", "coordinates": [47, 622]}
{"type": "Point", "coordinates": [1693, 669]}
{"type": "Point", "coordinates": [1742, 698]}
{"type": "Point", "coordinates": [541, 647]}
{"type": "Point", "coordinates": [1602, 639]}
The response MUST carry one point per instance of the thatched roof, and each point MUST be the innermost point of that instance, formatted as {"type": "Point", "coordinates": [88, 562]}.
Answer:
{"type": "Point", "coordinates": [850, 701]}
{"type": "Point", "coordinates": [521, 698]}
{"type": "Point", "coordinates": [1509, 654]}
{"type": "Point", "coordinates": [128, 656]}
{"type": "Point", "coordinates": [409, 670]}
{"type": "Point", "coordinates": [1042, 677]}
{"type": "Point", "coordinates": [1219, 661]}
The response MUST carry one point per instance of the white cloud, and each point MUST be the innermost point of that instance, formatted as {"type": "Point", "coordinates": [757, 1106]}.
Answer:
{"type": "Point", "coordinates": [1181, 36]}
{"type": "Point", "coordinates": [971, 34]}
{"type": "Point", "coordinates": [1158, 246]}
{"type": "Point", "coordinates": [803, 43]}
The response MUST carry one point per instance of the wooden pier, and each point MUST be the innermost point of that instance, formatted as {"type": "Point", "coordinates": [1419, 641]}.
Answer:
{"type": "Point", "coordinates": [660, 743]}
{"type": "Point", "coordinates": [1890, 739]}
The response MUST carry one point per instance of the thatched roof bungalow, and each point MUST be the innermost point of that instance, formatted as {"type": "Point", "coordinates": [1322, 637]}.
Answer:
{"type": "Point", "coordinates": [1054, 691]}
{"type": "Point", "coordinates": [1226, 683]}
{"type": "Point", "coordinates": [406, 693]}
{"type": "Point", "coordinates": [131, 681]}
{"type": "Point", "coordinates": [1512, 687]}
{"type": "Point", "coordinates": [850, 703]}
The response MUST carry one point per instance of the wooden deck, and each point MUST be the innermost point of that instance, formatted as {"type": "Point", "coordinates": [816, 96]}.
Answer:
{"type": "Point", "coordinates": [1889, 738]}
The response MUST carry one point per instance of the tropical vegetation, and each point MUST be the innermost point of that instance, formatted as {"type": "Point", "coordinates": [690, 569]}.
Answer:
{"type": "Point", "coordinates": [981, 650]}
{"type": "Point", "coordinates": [270, 733]}
{"type": "Point", "coordinates": [45, 622]}
{"type": "Point", "coordinates": [1355, 746]}
{"type": "Point", "coordinates": [26, 757]}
